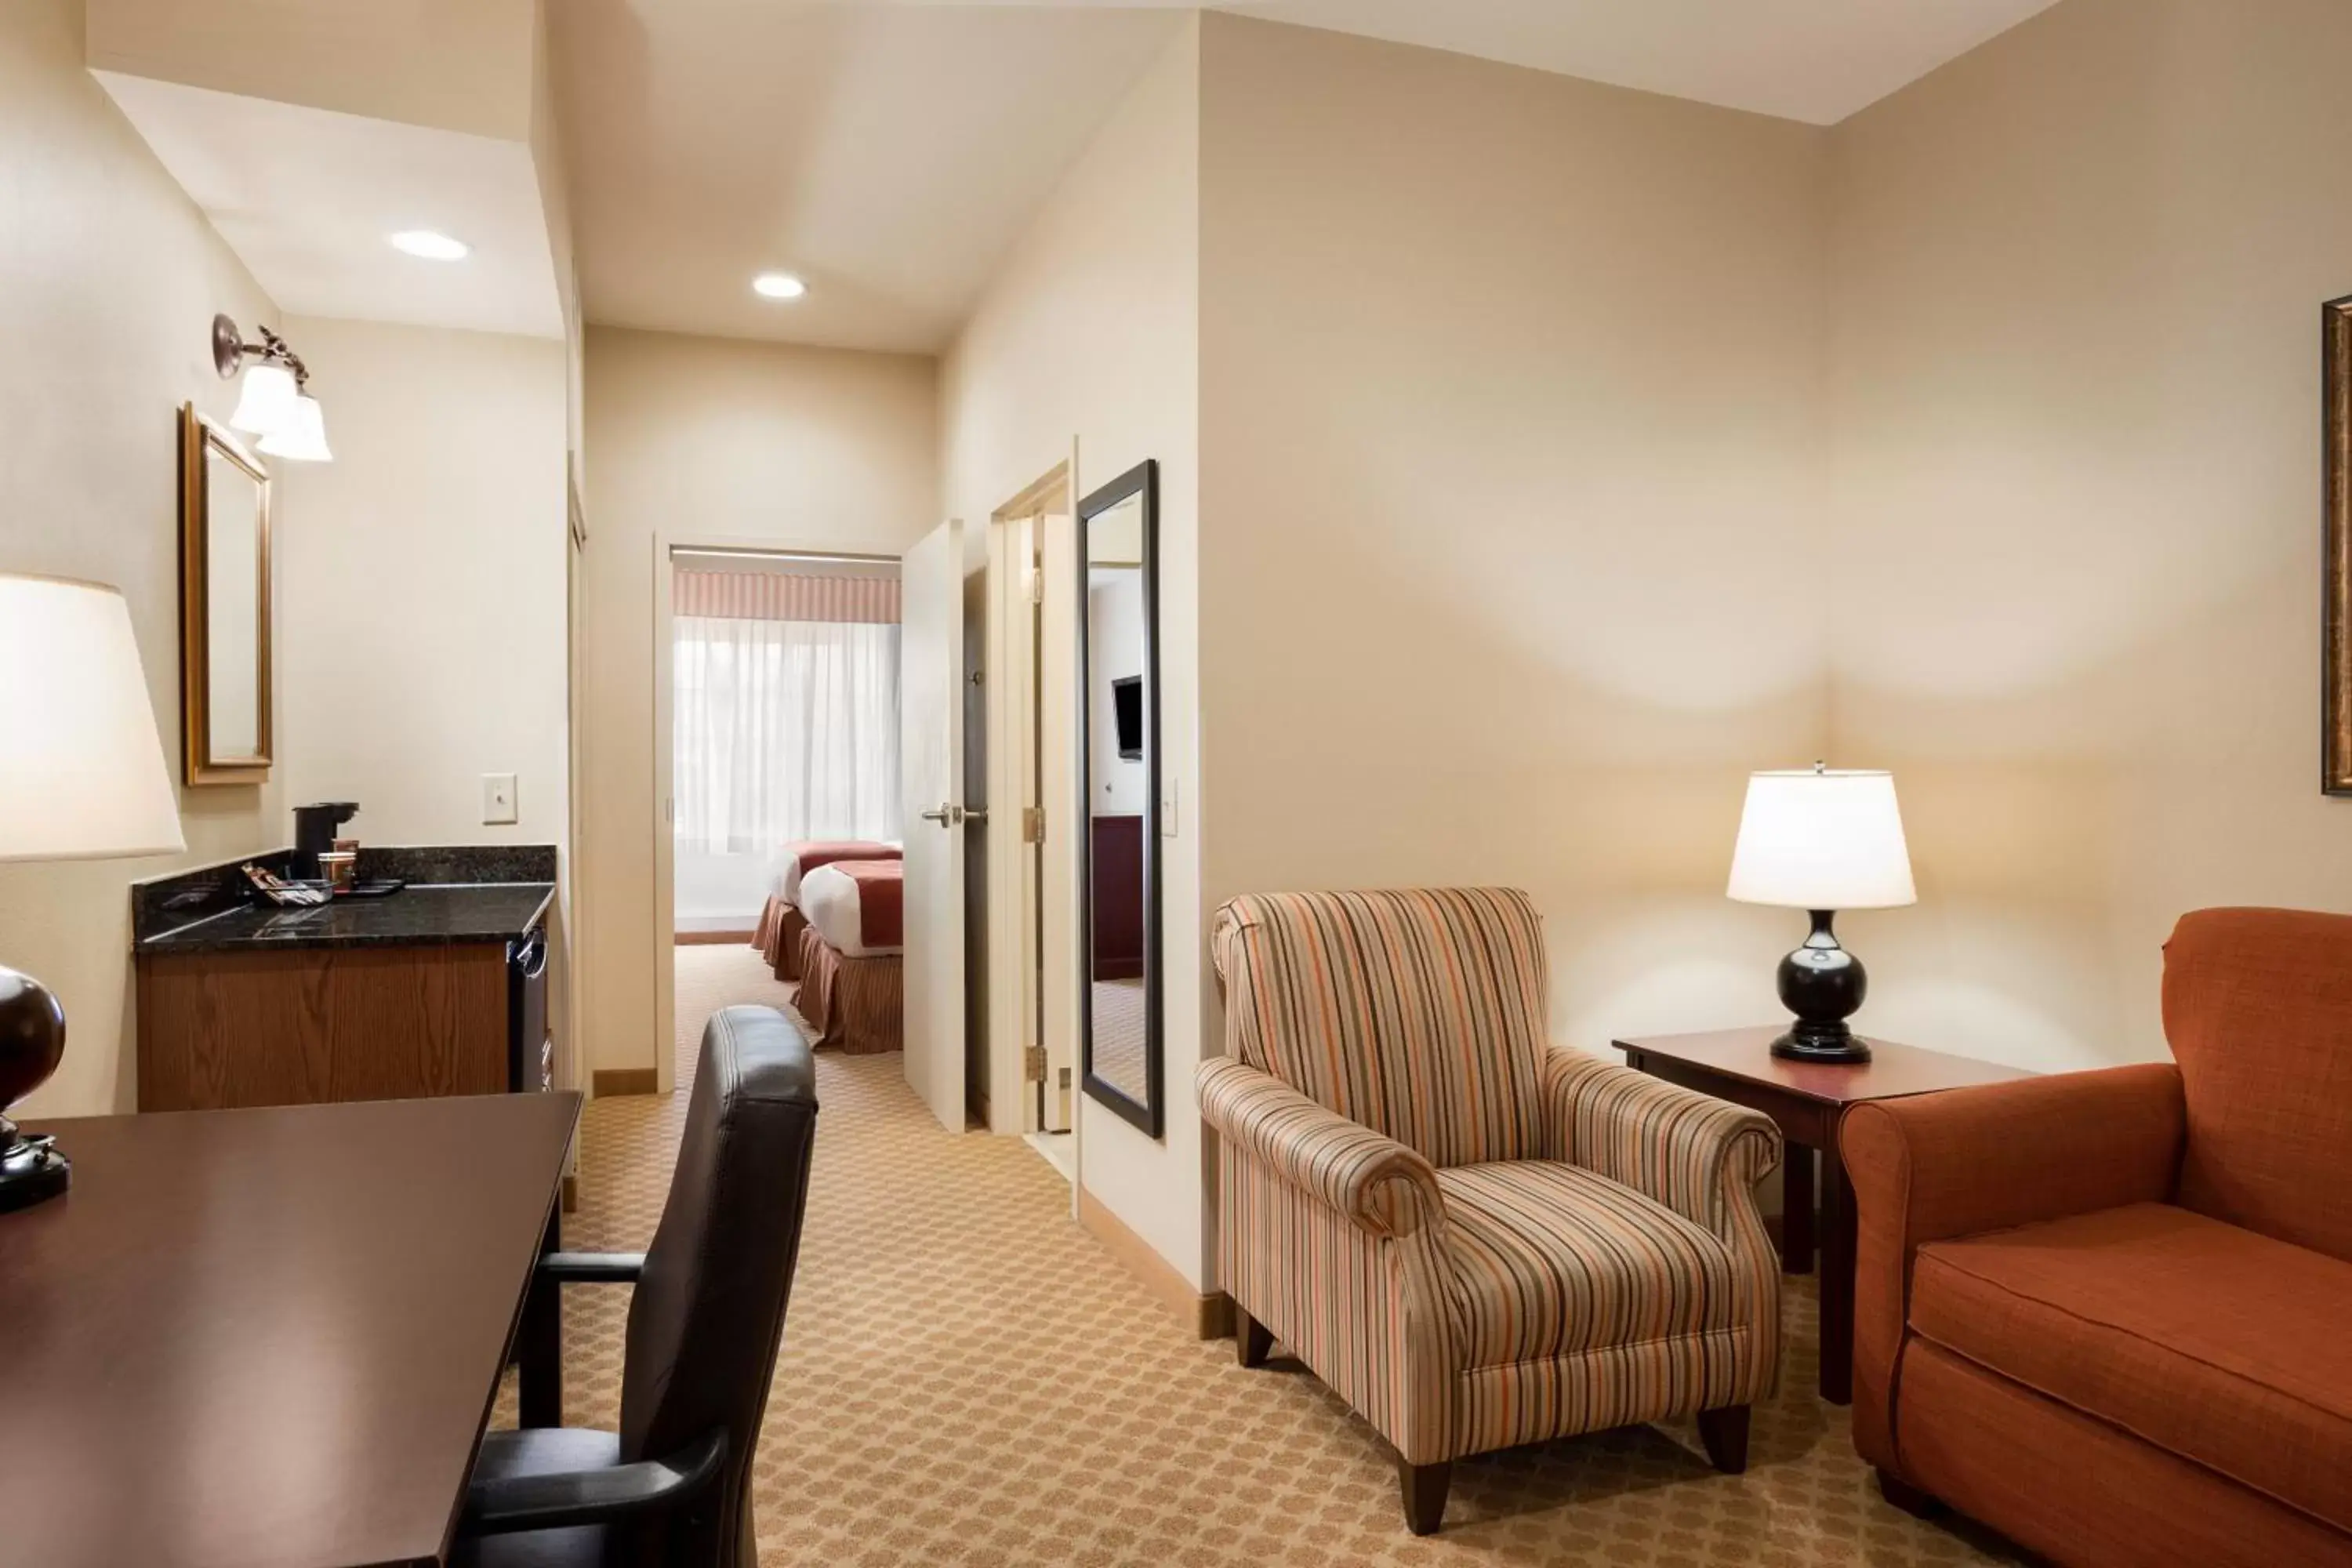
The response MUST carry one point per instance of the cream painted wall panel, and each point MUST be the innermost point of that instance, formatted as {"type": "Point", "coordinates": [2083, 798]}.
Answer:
{"type": "Point", "coordinates": [421, 584]}
{"type": "Point", "coordinates": [1513, 436]}
{"type": "Point", "coordinates": [2075, 503]}
{"type": "Point", "coordinates": [1090, 329]}
{"type": "Point", "coordinates": [711, 440]}
{"type": "Point", "coordinates": [109, 280]}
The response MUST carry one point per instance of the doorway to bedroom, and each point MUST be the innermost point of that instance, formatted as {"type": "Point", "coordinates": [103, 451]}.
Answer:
{"type": "Point", "coordinates": [780, 688]}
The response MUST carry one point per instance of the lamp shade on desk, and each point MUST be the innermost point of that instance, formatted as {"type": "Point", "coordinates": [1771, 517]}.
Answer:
{"type": "Point", "coordinates": [1821, 840]}
{"type": "Point", "coordinates": [82, 777]}
{"type": "Point", "coordinates": [82, 774]}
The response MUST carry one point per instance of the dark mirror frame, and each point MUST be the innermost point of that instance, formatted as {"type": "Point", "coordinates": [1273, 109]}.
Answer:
{"type": "Point", "coordinates": [2335, 567]}
{"type": "Point", "coordinates": [1151, 1113]}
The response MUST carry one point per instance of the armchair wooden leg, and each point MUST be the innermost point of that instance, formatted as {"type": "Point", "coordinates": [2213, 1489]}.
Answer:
{"type": "Point", "coordinates": [1424, 1487]}
{"type": "Point", "coordinates": [1724, 1433]}
{"type": "Point", "coordinates": [1252, 1339]}
{"type": "Point", "coordinates": [1906, 1497]}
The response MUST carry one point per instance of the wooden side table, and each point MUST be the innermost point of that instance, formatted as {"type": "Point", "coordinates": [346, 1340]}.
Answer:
{"type": "Point", "coordinates": [1806, 1099]}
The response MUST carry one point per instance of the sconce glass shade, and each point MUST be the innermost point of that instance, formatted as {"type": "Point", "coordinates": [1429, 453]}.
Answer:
{"type": "Point", "coordinates": [1822, 839]}
{"type": "Point", "coordinates": [265, 402]}
{"type": "Point", "coordinates": [304, 438]}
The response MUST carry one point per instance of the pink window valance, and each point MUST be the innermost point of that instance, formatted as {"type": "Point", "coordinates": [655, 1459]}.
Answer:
{"type": "Point", "coordinates": [785, 596]}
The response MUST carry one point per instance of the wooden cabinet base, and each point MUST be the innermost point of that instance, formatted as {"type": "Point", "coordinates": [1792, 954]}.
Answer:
{"type": "Point", "coordinates": [220, 1030]}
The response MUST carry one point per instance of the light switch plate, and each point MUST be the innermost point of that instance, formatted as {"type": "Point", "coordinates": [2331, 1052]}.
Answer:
{"type": "Point", "coordinates": [497, 798]}
{"type": "Point", "coordinates": [1167, 808]}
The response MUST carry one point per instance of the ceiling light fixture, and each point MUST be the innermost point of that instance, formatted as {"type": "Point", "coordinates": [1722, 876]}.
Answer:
{"type": "Point", "coordinates": [430, 244]}
{"type": "Point", "coordinates": [275, 403]}
{"type": "Point", "coordinates": [778, 286]}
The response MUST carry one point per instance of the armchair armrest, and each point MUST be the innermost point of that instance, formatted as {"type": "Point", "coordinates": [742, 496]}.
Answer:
{"type": "Point", "coordinates": [1372, 1179]}
{"type": "Point", "coordinates": [593, 1268]}
{"type": "Point", "coordinates": [1972, 1160]}
{"type": "Point", "coordinates": [513, 1503]}
{"type": "Point", "coordinates": [1695, 1154]}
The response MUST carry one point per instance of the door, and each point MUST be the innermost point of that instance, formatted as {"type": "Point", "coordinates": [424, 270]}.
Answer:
{"type": "Point", "coordinates": [1062, 788]}
{"type": "Point", "coordinates": [1016, 829]}
{"type": "Point", "coordinates": [930, 758]}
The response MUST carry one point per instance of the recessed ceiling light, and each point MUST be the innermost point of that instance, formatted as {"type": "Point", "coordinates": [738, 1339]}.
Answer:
{"type": "Point", "coordinates": [431, 246]}
{"type": "Point", "coordinates": [779, 286]}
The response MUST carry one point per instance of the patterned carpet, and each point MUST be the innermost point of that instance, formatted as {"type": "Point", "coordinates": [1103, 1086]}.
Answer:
{"type": "Point", "coordinates": [968, 1378]}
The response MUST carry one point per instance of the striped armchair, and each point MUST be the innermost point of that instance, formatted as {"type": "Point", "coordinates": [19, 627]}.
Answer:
{"type": "Point", "coordinates": [1477, 1241]}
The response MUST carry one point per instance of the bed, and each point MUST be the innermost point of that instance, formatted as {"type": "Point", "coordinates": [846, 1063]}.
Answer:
{"type": "Point", "coordinates": [852, 987]}
{"type": "Point", "coordinates": [778, 937]}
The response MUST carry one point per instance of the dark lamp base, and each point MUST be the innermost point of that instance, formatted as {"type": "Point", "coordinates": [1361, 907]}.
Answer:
{"type": "Point", "coordinates": [31, 1170]}
{"type": "Point", "coordinates": [32, 1041]}
{"type": "Point", "coordinates": [1823, 986]}
{"type": "Point", "coordinates": [1813, 1043]}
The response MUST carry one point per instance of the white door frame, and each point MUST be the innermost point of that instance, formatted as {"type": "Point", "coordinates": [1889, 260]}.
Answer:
{"type": "Point", "coordinates": [665, 901]}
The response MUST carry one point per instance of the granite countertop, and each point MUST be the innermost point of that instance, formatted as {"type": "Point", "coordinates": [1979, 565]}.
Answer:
{"type": "Point", "coordinates": [454, 895]}
{"type": "Point", "coordinates": [413, 917]}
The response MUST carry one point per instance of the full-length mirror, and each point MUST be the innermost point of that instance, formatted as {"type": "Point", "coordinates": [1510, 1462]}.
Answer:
{"type": "Point", "coordinates": [1118, 660]}
{"type": "Point", "coordinates": [224, 607]}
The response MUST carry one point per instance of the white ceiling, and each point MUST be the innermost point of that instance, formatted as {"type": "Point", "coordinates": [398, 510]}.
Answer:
{"type": "Point", "coordinates": [306, 197]}
{"type": "Point", "coordinates": [1815, 60]}
{"type": "Point", "coordinates": [890, 152]}
{"type": "Point", "coordinates": [887, 154]}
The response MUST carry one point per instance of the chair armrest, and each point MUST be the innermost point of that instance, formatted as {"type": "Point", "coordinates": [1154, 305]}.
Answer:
{"type": "Point", "coordinates": [1372, 1179]}
{"type": "Point", "coordinates": [556, 1501]}
{"type": "Point", "coordinates": [1972, 1160]}
{"type": "Point", "coordinates": [1697, 1156]}
{"type": "Point", "coordinates": [593, 1268]}
{"type": "Point", "coordinates": [1968, 1160]}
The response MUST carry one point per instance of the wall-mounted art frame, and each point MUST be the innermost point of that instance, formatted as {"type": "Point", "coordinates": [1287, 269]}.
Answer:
{"type": "Point", "coordinates": [225, 665]}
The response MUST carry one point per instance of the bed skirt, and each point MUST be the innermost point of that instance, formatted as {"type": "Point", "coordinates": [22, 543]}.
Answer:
{"type": "Point", "coordinates": [855, 1004]}
{"type": "Point", "coordinates": [779, 937]}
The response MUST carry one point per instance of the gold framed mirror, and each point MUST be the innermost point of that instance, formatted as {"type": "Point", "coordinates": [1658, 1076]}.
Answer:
{"type": "Point", "coordinates": [225, 675]}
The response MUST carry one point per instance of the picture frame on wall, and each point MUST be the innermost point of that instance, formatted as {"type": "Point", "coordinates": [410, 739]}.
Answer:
{"type": "Point", "coordinates": [2335, 764]}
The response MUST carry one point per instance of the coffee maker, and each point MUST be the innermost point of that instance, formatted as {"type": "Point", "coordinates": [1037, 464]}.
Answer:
{"type": "Point", "coordinates": [314, 833]}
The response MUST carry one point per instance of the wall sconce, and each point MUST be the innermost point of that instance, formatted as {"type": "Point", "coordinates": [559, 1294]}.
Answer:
{"type": "Point", "coordinates": [275, 401]}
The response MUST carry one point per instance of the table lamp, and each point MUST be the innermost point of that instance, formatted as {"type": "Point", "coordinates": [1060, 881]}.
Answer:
{"type": "Point", "coordinates": [1821, 840]}
{"type": "Point", "coordinates": [82, 777]}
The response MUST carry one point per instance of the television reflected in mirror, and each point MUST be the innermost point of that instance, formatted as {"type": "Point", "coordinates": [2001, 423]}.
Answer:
{"type": "Point", "coordinates": [1119, 743]}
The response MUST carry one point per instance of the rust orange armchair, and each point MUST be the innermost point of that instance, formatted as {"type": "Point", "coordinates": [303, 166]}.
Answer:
{"type": "Point", "coordinates": [2110, 1313]}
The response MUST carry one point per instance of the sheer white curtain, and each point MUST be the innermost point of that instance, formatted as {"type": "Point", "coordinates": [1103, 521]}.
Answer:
{"type": "Point", "coordinates": [783, 731]}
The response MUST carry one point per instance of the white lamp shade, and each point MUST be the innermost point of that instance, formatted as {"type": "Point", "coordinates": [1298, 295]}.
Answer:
{"type": "Point", "coordinates": [1822, 839]}
{"type": "Point", "coordinates": [303, 440]}
{"type": "Point", "coordinates": [82, 774]}
{"type": "Point", "coordinates": [265, 400]}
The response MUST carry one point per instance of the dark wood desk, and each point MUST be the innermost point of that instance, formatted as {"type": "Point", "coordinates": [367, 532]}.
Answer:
{"type": "Point", "coordinates": [1806, 1099]}
{"type": "Point", "coordinates": [266, 1339]}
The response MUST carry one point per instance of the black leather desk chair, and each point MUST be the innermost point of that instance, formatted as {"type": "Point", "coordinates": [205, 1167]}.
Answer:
{"type": "Point", "coordinates": [673, 1485]}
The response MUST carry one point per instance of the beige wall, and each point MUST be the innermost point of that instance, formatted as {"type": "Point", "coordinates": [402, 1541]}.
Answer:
{"type": "Point", "coordinates": [109, 280]}
{"type": "Point", "coordinates": [1512, 434]}
{"type": "Point", "coordinates": [420, 583]}
{"type": "Point", "coordinates": [1090, 331]}
{"type": "Point", "coordinates": [706, 441]}
{"type": "Point", "coordinates": [2077, 503]}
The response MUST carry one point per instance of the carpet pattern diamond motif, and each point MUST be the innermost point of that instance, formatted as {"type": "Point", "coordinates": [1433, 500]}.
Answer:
{"type": "Point", "coordinates": [968, 1378]}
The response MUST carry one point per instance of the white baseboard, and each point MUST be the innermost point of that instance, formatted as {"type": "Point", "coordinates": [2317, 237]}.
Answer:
{"type": "Point", "coordinates": [716, 922]}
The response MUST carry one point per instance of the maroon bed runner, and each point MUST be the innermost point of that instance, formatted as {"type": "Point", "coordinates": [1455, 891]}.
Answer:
{"type": "Point", "coordinates": [881, 900]}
